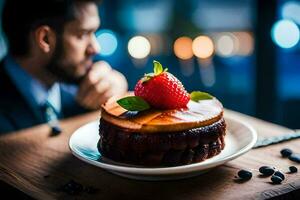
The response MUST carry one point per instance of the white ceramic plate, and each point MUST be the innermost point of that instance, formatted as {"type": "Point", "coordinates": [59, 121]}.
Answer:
{"type": "Point", "coordinates": [239, 139]}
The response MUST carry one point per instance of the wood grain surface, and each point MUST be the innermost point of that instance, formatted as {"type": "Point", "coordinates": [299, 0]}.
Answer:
{"type": "Point", "coordinates": [39, 164]}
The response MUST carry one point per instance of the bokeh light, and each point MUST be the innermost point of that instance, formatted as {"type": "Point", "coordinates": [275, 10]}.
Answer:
{"type": "Point", "coordinates": [157, 43]}
{"type": "Point", "coordinates": [285, 33]}
{"type": "Point", "coordinates": [226, 45]}
{"type": "Point", "coordinates": [203, 47]}
{"type": "Point", "coordinates": [108, 42]}
{"type": "Point", "coordinates": [183, 48]}
{"type": "Point", "coordinates": [246, 43]}
{"type": "Point", "coordinates": [290, 10]}
{"type": "Point", "coordinates": [139, 47]}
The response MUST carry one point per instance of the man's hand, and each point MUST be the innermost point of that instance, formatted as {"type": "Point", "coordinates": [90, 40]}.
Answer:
{"type": "Point", "coordinates": [101, 83]}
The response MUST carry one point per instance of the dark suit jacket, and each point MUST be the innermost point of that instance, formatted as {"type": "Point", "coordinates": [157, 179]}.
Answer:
{"type": "Point", "coordinates": [16, 113]}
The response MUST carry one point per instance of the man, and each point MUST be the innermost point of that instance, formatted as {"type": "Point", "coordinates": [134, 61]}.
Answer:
{"type": "Point", "coordinates": [48, 73]}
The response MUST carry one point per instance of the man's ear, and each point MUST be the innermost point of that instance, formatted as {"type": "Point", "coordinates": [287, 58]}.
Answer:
{"type": "Point", "coordinates": [45, 39]}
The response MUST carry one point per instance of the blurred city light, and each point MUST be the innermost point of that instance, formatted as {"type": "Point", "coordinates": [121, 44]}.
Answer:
{"type": "Point", "coordinates": [207, 14]}
{"type": "Point", "coordinates": [291, 10]}
{"type": "Point", "coordinates": [139, 47]}
{"type": "Point", "coordinates": [285, 33]}
{"type": "Point", "coordinates": [157, 43]}
{"type": "Point", "coordinates": [183, 48]}
{"type": "Point", "coordinates": [226, 45]}
{"type": "Point", "coordinates": [187, 67]}
{"type": "Point", "coordinates": [145, 16]}
{"type": "Point", "coordinates": [203, 47]}
{"type": "Point", "coordinates": [207, 71]}
{"type": "Point", "coordinates": [108, 42]}
{"type": "Point", "coordinates": [245, 43]}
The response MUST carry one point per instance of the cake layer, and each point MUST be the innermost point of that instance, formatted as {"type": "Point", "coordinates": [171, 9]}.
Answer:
{"type": "Point", "coordinates": [161, 148]}
{"type": "Point", "coordinates": [203, 113]}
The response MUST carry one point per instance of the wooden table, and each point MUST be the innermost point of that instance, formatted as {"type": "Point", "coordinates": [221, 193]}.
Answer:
{"type": "Point", "coordinates": [39, 164]}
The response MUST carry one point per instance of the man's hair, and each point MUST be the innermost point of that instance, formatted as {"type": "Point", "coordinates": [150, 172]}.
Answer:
{"type": "Point", "coordinates": [20, 17]}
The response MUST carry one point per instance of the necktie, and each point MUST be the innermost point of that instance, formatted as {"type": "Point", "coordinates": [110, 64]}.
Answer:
{"type": "Point", "coordinates": [51, 117]}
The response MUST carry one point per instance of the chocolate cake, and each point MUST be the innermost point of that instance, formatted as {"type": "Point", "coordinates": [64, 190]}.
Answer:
{"type": "Point", "coordinates": [162, 137]}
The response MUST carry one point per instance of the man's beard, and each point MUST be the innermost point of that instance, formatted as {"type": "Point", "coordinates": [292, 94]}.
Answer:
{"type": "Point", "coordinates": [57, 69]}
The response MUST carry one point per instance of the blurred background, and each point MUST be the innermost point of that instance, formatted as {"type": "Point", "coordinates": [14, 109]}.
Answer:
{"type": "Point", "coordinates": [246, 53]}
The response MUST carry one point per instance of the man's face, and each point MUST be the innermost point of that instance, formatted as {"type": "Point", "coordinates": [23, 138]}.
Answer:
{"type": "Point", "coordinates": [72, 58]}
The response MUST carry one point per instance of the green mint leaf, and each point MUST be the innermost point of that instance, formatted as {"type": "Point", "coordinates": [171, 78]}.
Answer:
{"type": "Point", "coordinates": [157, 67]}
{"type": "Point", "coordinates": [133, 103]}
{"type": "Point", "coordinates": [197, 96]}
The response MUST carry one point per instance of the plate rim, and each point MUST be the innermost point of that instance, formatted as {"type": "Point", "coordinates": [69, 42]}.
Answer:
{"type": "Point", "coordinates": [168, 170]}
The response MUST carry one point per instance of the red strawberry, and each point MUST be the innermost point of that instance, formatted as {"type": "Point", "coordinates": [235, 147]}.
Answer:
{"type": "Point", "coordinates": [162, 90]}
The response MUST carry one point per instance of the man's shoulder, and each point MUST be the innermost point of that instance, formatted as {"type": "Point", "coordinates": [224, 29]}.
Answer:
{"type": "Point", "coordinates": [8, 90]}
{"type": "Point", "coordinates": [4, 78]}
{"type": "Point", "coordinates": [2, 72]}
{"type": "Point", "coordinates": [15, 113]}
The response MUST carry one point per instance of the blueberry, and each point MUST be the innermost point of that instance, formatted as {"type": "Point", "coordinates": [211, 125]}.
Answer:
{"type": "Point", "coordinates": [90, 190]}
{"type": "Point", "coordinates": [295, 157]}
{"type": "Point", "coordinates": [56, 130]}
{"type": "Point", "coordinates": [244, 174]}
{"type": "Point", "coordinates": [72, 187]}
{"type": "Point", "coordinates": [281, 175]}
{"type": "Point", "coordinates": [286, 152]}
{"type": "Point", "coordinates": [276, 179]}
{"type": "Point", "coordinates": [266, 170]}
{"type": "Point", "coordinates": [293, 169]}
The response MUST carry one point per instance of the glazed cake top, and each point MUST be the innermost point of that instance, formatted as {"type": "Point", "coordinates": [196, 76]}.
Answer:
{"type": "Point", "coordinates": [197, 114]}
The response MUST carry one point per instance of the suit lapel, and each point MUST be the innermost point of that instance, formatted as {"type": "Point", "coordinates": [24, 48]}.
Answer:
{"type": "Point", "coordinates": [22, 114]}
{"type": "Point", "coordinates": [22, 117]}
